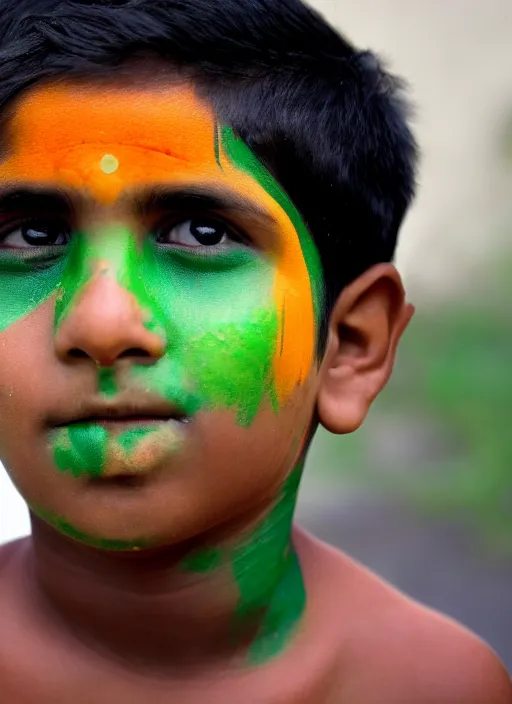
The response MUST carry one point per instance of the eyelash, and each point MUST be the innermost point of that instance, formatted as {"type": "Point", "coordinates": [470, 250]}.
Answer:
{"type": "Point", "coordinates": [233, 232]}
{"type": "Point", "coordinates": [8, 226]}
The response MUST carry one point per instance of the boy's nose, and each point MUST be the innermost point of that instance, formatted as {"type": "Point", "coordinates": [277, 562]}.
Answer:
{"type": "Point", "coordinates": [105, 322]}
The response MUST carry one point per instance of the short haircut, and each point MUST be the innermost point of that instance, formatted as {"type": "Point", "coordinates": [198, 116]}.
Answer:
{"type": "Point", "coordinates": [327, 120]}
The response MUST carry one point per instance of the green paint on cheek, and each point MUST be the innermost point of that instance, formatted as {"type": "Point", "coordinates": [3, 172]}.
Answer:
{"type": "Point", "coordinates": [27, 278]}
{"type": "Point", "coordinates": [239, 373]}
{"type": "Point", "coordinates": [221, 326]}
{"type": "Point", "coordinates": [80, 449]}
{"type": "Point", "coordinates": [66, 528]}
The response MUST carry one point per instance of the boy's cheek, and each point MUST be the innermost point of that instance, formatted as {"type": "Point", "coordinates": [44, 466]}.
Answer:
{"type": "Point", "coordinates": [26, 391]}
{"type": "Point", "coordinates": [222, 332]}
{"type": "Point", "coordinates": [213, 363]}
{"type": "Point", "coordinates": [26, 364]}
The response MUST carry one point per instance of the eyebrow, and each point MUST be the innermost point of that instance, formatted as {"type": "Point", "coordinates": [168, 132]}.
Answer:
{"type": "Point", "coordinates": [30, 200]}
{"type": "Point", "coordinates": [203, 200]}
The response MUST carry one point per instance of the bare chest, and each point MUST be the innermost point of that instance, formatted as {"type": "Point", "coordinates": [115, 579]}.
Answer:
{"type": "Point", "coordinates": [42, 685]}
{"type": "Point", "coordinates": [38, 669]}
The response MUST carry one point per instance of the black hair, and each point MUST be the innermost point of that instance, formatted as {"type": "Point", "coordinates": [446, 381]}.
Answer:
{"type": "Point", "coordinates": [326, 119]}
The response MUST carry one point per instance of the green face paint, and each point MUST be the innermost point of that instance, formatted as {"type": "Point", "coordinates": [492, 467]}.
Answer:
{"type": "Point", "coordinates": [107, 382]}
{"type": "Point", "coordinates": [129, 440]}
{"type": "Point", "coordinates": [80, 449]}
{"type": "Point", "coordinates": [223, 325]}
{"type": "Point", "coordinates": [27, 279]}
{"type": "Point", "coordinates": [222, 344]}
{"type": "Point", "coordinates": [70, 531]}
{"type": "Point", "coordinates": [221, 312]}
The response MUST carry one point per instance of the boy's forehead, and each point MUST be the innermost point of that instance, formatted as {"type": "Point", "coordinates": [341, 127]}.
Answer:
{"type": "Point", "coordinates": [107, 139]}
{"type": "Point", "coordinates": [170, 120]}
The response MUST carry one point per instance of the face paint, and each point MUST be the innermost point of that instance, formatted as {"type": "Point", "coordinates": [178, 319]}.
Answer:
{"type": "Point", "coordinates": [70, 531]}
{"type": "Point", "coordinates": [296, 322]}
{"type": "Point", "coordinates": [80, 449]}
{"type": "Point", "coordinates": [26, 281]}
{"type": "Point", "coordinates": [261, 348]}
{"type": "Point", "coordinates": [107, 382]}
{"type": "Point", "coordinates": [109, 164]}
{"type": "Point", "coordinates": [171, 142]}
{"type": "Point", "coordinates": [238, 325]}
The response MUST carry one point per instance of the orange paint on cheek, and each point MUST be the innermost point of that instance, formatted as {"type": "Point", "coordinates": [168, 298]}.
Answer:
{"type": "Point", "coordinates": [72, 137]}
{"type": "Point", "coordinates": [295, 347]}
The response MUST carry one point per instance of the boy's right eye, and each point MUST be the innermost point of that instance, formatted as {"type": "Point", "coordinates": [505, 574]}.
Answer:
{"type": "Point", "coordinates": [35, 233]}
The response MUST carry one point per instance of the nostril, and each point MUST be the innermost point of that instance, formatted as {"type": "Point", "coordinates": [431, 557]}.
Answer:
{"type": "Point", "coordinates": [128, 353]}
{"type": "Point", "coordinates": [134, 352]}
{"type": "Point", "coordinates": [77, 353]}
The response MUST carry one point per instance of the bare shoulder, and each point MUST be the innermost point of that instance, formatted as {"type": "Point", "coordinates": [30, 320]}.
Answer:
{"type": "Point", "coordinates": [445, 662]}
{"type": "Point", "coordinates": [392, 649]}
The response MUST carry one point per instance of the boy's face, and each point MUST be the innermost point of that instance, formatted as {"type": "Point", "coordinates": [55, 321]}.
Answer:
{"type": "Point", "coordinates": [158, 320]}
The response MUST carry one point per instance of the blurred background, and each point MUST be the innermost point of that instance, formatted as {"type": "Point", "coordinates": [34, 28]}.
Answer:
{"type": "Point", "coordinates": [423, 493]}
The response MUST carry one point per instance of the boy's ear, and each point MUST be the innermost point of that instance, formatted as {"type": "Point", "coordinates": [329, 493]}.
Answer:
{"type": "Point", "coordinates": [365, 327]}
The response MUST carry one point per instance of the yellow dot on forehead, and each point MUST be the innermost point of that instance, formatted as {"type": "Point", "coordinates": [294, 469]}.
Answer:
{"type": "Point", "coordinates": [109, 164]}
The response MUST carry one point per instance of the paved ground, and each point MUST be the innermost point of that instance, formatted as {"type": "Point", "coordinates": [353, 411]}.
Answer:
{"type": "Point", "coordinates": [436, 563]}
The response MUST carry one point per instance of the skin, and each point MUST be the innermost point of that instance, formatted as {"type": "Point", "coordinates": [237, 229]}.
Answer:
{"type": "Point", "coordinates": [222, 361]}
{"type": "Point", "coordinates": [162, 562]}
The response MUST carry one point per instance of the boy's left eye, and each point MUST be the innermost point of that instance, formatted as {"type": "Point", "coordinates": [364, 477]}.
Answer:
{"type": "Point", "coordinates": [199, 232]}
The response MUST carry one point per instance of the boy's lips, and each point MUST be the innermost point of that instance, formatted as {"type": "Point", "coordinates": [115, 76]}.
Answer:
{"type": "Point", "coordinates": [127, 409]}
{"type": "Point", "coordinates": [131, 434]}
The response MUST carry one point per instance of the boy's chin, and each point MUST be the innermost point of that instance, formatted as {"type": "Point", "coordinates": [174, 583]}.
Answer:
{"type": "Point", "coordinates": [217, 479]}
{"type": "Point", "coordinates": [134, 514]}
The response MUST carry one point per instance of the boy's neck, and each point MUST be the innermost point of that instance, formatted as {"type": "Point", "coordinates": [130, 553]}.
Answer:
{"type": "Point", "coordinates": [235, 604]}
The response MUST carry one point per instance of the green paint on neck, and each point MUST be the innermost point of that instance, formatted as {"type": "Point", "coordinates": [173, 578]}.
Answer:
{"type": "Point", "coordinates": [266, 570]}
{"type": "Point", "coordinates": [269, 578]}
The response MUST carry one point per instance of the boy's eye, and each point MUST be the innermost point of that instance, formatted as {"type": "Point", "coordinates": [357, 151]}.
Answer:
{"type": "Point", "coordinates": [200, 232]}
{"type": "Point", "coordinates": [36, 234]}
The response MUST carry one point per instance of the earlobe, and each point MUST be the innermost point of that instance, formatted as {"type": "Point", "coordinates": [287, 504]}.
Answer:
{"type": "Point", "coordinates": [365, 327]}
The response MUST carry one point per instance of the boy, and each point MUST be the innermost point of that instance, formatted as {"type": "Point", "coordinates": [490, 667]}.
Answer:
{"type": "Point", "coordinates": [199, 204]}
